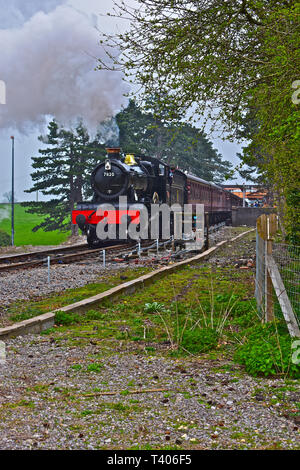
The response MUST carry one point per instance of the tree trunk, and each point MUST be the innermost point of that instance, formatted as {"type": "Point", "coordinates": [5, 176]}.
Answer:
{"type": "Point", "coordinates": [74, 231]}
{"type": "Point", "coordinates": [74, 228]}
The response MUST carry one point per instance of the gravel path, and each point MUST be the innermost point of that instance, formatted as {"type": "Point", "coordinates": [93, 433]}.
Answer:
{"type": "Point", "coordinates": [205, 405]}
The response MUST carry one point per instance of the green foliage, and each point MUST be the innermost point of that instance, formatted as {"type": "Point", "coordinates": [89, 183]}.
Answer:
{"type": "Point", "coordinates": [65, 319]}
{"type": "Point", "coordinates": [154, 307]}
{"type": "Point", "coordinates": [5, 239]}
{"type": "Point", "coordinates": [267, 351]}
{"type": "Point", "coordinates": [199, 340]}
{"type": "Point", "coordinates": [95, 367]}
{"type": "Point", "coordinates": [141, 132]}
{"type": "Point", "coordinates": [94, 315]}
{"type": "Point", "coordinates": [293, 214]}
{"type": "Point", "coordinates": [24, 223]}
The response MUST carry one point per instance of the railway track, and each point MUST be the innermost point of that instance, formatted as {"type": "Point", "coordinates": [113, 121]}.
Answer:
{"type": "Point", "coordinates": [65, 255]}
{"type": "Point", "coordinates": [69, 254]}
{"type": "Point", "coordinates": [60, 255]}
{"type": "Point", "coordinates": [22, 257]}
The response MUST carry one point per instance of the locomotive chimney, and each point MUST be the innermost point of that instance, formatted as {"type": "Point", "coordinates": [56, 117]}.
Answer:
{"type": "Point", "coordinates": [113, 153]}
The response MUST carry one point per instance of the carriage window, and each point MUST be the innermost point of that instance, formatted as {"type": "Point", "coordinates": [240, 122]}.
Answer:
{"type": "Point", "coordinates": [161, 170]}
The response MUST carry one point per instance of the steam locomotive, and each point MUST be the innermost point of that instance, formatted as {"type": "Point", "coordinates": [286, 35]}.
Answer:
{"type": "Point", "coordinates": [145, 180]}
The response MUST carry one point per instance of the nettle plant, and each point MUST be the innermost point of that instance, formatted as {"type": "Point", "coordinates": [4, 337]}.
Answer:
{"type": "Point", "coordinates": [267, 351]}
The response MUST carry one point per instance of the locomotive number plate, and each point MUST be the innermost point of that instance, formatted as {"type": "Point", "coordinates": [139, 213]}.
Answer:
{"type": "Point", "coordinates": [108, 173]}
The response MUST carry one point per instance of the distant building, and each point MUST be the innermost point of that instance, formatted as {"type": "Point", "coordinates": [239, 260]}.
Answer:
{"type": "Point", "coordinates": [252, 193]}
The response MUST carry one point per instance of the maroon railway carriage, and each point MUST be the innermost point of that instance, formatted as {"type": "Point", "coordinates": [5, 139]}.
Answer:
{"type": "Point", "coordinates": [217, 202]}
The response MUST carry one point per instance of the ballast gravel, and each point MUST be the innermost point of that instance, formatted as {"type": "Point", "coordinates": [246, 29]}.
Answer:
{"type": "Point", "coordinates": [33, 283]}
{"type": "Point", "coordinates": [50, 398]}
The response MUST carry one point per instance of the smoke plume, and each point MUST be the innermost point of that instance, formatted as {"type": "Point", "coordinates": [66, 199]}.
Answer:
{"type": "Point", "coordinates": [108, 133]}
{"type": "Point", "coordinates": [4, 213]}
{"type": "Point", "coordinates": [15, 12]}
{"type": "Point", "coordinates": [48, 64]}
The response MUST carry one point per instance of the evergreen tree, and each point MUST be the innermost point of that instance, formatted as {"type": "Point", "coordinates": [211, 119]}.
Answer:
{"type": "Point", "coordinates": [63, 170]}
{"type": "Point", "coordinates": [176, 143]}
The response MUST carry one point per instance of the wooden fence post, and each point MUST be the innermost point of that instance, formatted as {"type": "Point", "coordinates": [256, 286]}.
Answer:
{"type": "Point", "coordinates": [269, 305]}
{"type": "Point", "coordinates": [267, 228]}
{"type": "Point", "coordinates": [272, 227]}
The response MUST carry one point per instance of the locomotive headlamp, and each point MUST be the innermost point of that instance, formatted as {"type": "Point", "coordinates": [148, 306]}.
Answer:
{"type": "Point", "coordinates": [107, 165]}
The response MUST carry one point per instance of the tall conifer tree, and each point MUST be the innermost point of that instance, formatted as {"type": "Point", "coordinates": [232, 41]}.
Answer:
{"type": "Point", "coordinates": [63, 170]}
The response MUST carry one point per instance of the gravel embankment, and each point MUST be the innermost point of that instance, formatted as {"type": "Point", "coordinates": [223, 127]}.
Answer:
{"type": "Point", "coordinates": [203, 406]}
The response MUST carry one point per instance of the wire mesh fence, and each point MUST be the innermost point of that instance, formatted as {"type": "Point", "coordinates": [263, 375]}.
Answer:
{"type": "Point", "coordinates": [260, 273]}
{"type": "Point", "coordinates": [277, 283]}
{"type": "Point", "coordinates": [287, 259]}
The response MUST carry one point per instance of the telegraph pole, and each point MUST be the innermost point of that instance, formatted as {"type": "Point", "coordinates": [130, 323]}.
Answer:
{"type": "Point", "coordinates": [13, 190]}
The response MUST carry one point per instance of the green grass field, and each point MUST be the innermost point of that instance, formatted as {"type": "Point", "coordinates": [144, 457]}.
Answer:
{"type": "Point", "coordinates": [24, 224]}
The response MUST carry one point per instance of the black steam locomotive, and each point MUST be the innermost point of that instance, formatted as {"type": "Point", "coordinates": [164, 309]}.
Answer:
{"type": "Point", "coordinates": [145, 180]}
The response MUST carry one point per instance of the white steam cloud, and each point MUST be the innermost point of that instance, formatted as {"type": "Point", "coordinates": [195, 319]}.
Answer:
{"type": "Point", "coordinates": [48, 65]}
{"type": "Point", "coordinates": [109, 133]}
{"type": "Point", "coordinates": [15, 12]}
{"type": "Point", "coordinates": [4, 213]}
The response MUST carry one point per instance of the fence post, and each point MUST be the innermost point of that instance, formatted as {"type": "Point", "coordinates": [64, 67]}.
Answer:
{"type": "Point", "coordinates": [260, 270]}
{"type": "Point", "coordinates": [261, 229]}
{"type": "Point", "coordinates": [269, 305]}
{"type": "Point", "coordinates": [266, 229]}
{"type": "Point", "coordinates": [271, 232]}
{"type": "Point", "coordinates": [270, 277]}
{"type": "Point", "coordinates": [48, 264]}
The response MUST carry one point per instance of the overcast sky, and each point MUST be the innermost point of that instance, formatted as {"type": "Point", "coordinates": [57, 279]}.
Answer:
{"type": "Point", "coordinates": [48, 47]}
